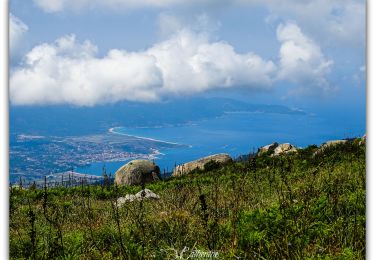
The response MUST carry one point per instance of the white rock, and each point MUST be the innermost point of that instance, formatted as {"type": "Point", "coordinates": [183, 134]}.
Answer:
{"type": "Point", "coordinates": [143, 194]}
{"type": "Point", "coordinates": [327, 145]}
{"type": "Point", "coordinates": [284, 148]}
{"type": "Point", "coordinates": [267, 148]}
{"type": "Point", "coordinates": [199, 164]}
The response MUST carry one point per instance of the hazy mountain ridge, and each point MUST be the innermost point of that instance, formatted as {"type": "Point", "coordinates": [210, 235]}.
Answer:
{"type": "Point", "coordinates": [68, 120]}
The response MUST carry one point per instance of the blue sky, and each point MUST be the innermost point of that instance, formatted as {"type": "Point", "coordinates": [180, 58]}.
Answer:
{"type": "Point", "coordinates": [309, 54]}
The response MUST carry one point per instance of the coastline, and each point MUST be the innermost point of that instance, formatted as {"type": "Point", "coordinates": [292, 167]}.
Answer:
{"type": "Point", "coordinates": [113, 131]}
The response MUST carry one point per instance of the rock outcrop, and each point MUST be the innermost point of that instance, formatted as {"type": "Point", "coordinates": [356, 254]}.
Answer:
{"type": "Point", "coordinates": [142, 195]}
{"type": "Point", "coordinates": [283, 149]}
{"type": "Point", "coordinates": [276, 149]}
{"type": "Point", "coordinates": [333, 143]}
{"type": "Point", "coordinates": [137, 171]}
{"type": "Point", "coordinates": [327, 145]}
{"type": "Point", "coordinates": [363, 140]}
{"type": "Point", "coordinates": [200, 163]}
{"type": "Point", "coordinates": [267, 148]}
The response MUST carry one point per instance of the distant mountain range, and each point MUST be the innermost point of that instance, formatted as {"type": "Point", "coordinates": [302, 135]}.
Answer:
{"type": "Point", "coordinates": [63, 120]}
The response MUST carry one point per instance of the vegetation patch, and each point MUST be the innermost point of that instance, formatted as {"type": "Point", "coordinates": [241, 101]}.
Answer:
{"type": "Point", "coordinates": [297, 205]}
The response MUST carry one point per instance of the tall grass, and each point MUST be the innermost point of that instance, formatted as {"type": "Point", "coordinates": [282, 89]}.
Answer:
{"type": "Point", "coordinates": [286, 207]}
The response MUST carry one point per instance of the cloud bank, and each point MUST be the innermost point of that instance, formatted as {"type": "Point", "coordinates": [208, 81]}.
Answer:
{"type": "Point", "coordinates": [301, 60]}
{"type": "Point", "coordinates": [333, 22]}
{"type": "Point", "coordinates": [17, 30]}
{"type": "Point", "coordinates": [187, 63]}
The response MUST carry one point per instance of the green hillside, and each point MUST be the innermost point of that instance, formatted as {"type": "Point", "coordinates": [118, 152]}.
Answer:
{"type": "Point", "coordinates": [292, 206]}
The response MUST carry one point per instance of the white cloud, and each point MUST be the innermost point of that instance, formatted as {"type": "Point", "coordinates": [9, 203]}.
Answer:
{"type": "Point", "coordinates": [17, 30]}
{"type": "Point", "coordinates": [187, 63]}
{"type": "Point", "coordinates": [170, 24]}
{"type": "Point", "coordinates": [124, 5]}
{"type": "Point", "coordinates": [301, 59]}
{"type": "Point", "coordinates": [359, 77]}
{"type": "Point", "coordinates": [51, 6]}
{"type": "Point", "coordinates": [332, 21]}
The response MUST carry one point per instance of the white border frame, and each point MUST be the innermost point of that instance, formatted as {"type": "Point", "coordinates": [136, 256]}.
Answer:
{"type": "Point", "coordinates": [4, 133]}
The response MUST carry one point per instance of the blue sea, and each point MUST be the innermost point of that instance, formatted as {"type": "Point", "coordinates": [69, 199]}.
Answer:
{"type": "Point", "coordinates": [236, 134]}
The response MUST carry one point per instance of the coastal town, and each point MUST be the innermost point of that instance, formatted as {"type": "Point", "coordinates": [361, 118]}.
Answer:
{"type": "Point", "coordinates": [32, 157]}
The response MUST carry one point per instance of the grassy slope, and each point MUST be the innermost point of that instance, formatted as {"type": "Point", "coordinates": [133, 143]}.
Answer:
{"type": "Point", "coordinates": [286, 207]}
